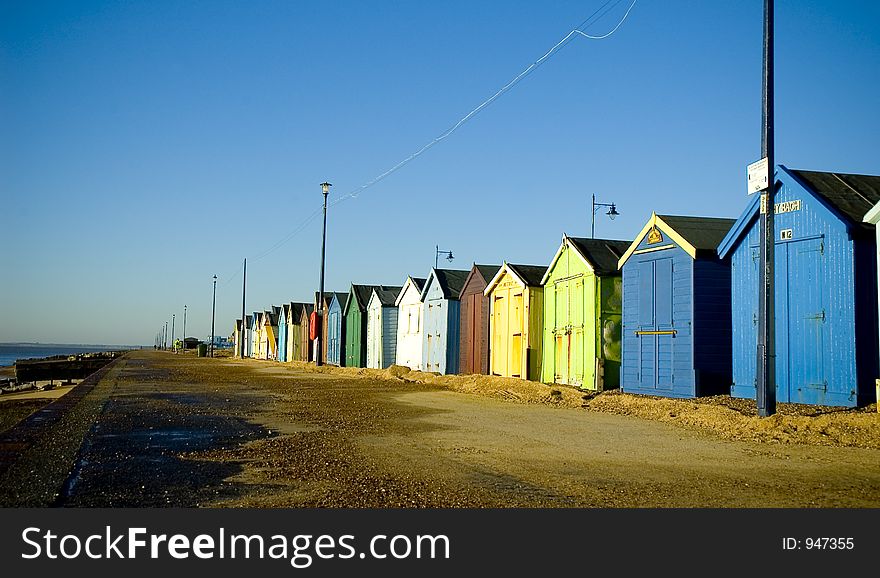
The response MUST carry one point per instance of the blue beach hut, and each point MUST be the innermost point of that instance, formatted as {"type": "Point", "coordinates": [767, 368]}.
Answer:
{"type": "Point", "coordinates": [336, 329]}
{"type": "Point", "coordinates": [826, 289]}
{"type": "Point", "coordinates": [676, 309]}
{"type": "Point", "coordinates": [283, 316]}
{"type": "Point", "coordinates": [442, 320]}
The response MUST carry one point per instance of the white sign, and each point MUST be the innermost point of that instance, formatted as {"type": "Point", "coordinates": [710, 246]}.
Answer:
{"type": "Point", "coordinates": [758, 176]}
{"type": "Point", "coordinates": [786, 234]}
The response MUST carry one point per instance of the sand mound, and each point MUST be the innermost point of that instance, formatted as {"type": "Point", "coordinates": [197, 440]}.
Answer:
{"type": "Point", "coordinates": [723, 416]}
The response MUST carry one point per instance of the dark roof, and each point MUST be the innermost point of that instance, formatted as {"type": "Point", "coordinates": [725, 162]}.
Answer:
{"type": "Point", "coordinates": [296, 310]}
{"type": "Point", "coordinates": [387, 294]}
{"type": "Point", "coordinates": [361, 295]}
{"type": "Point", "coordinates": [273, 315]}
{"type": "Point", "coordinates": [704, 233]}
{"type": "Point", "coordinates": [850, 195]}
{"type": "Point", "coordinates": [419, 282]}
{"type": "Point", "coordinates": [451, 281]}
{"type": "Point", "coordinates": [602, 253]}
{"type": "Point", "coordinates": [308, 308]}
{"type": "Point", "coordinates": [530, 274]}
{"type": "Point", "coordinates": [488, 271]}
{"type": "Point", "coordinates": [340, 296]}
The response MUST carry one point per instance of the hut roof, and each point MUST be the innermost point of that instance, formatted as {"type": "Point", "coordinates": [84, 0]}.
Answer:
{"type": "Point", "coordinates": [851, 195]}
{"type": "Point", "coordinates": [451, 282]}
{"type": "Point", "coordinates": [387, 295]}
{"type": "Point", "coordinates": [697, 236]}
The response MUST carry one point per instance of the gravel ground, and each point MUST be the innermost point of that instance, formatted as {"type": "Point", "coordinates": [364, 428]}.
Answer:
{"type": "Point", "coordinates": [173, 430]}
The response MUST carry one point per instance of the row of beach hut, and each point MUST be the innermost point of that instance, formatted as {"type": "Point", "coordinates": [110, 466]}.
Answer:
{"type": "Point", "coordinates": [672, 312]}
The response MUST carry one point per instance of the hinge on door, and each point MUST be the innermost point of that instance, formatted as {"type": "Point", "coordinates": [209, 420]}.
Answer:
{"type": "Point", "coordinates": [821, 247]}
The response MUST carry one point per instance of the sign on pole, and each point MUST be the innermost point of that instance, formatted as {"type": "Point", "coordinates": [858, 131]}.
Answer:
{"type": "Point", "coordinates": [758, 176]}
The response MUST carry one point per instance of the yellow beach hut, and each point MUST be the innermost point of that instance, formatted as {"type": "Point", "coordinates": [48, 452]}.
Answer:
{"type": "Point", "coordinates": [516, 321]}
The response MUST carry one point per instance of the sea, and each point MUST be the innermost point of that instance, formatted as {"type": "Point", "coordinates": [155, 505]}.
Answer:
{"type": "Point", "coordinates": [9, 352]}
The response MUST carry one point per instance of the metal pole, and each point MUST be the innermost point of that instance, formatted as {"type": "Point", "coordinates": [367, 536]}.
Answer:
{"type": "Point", "coordinates": [766, 375]}
{"type": "Point", "coordinates": [165, 336]}
{"type": "Point", "coordinates": [213, 304]}
{"type": "Point", "coordinates": [241, 332]}
{"type": "Point", "coordinates": [325, 188]}
{"type": "Point", "coordinates": [593, 218]}
{"type": "Point", "coordinates": [436, 255]}
{"type": "Point", "coordinates": [184, 328]}
{"type": "Point", "coordinates": [172, 332]}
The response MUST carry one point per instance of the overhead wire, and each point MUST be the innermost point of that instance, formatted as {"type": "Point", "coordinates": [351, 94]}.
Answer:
{"type": "Point", "coordinates": [597, 15]}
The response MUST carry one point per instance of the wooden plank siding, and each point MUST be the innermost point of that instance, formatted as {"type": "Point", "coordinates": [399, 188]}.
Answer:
{"type": "Point", "coordinates": [674, 306]}
{"type": "Point", "coordinates": [826, 307]}
{"type": "Point", "coordinates": [474, 323]}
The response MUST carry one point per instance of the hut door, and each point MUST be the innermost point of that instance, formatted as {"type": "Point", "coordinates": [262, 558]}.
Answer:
{"type": "Point", "coordinates": [433, 324]}
{"type": "Point", "coordinates": [577, 351]}
{"type": "Point", "coordinates": [655, 330]}
{"type": "Point", "coordinates": [499, 334]}
{"type": "Point", "coordinates": [562, 334]}
{"type": "Point", "coordinates": [476, 334]}
{"type": "Point", "coordinates": [800, 322]}
{"type": "Point", "coordinates": [516, 332]}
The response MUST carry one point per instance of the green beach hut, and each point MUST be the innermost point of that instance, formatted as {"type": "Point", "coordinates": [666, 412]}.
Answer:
{"type": "Point", "coordinates": [355, 314]}
{"type": "Point", "coordinates": [582, 314]}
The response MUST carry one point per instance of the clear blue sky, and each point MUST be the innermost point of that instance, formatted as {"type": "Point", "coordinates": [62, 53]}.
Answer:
{"type": "Point", "coordinates": [146, 146]}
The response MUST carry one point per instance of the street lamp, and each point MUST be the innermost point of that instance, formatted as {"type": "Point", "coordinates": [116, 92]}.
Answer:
{"type": "Point", "coordinates": [184, 328]}
{"type": "Point", "coordinates": [438, 251]}
{"type": "Point", "coordinates": [174, 349]}
{"type": "Point", "coordinates": [612, 212]}
{"type": "Point", "coordinates": [213, 304]}
{"type": "Point", "coordinates": [325, 189]}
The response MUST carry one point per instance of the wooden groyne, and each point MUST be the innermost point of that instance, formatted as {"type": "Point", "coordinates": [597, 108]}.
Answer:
{"type": "Point", "coordinates": [63, 367]}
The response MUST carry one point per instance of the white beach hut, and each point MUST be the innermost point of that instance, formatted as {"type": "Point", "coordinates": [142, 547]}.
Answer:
{"type": "Point", "coordinates": [382, 327]}
{"type": "Point", "coordinates": [409, 323]}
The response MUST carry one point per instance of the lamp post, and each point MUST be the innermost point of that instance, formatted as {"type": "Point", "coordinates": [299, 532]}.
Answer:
{"type": "Point", "coordinates": [172, 334]}
{"type": "Point", "coordinates": [612, 212]}
{"type": "Point", "coordinates": [325, 189]}
{"type": "Point", "coordinates": [438, 251]}
{"type": "Point", "coordinates": [213, 304]}
{"type": "Point", "coordinates": [765, 386]}
{"type": "Point", "coordinates": [184, 328]}
{"type": "Point", "coordinates": [165, 336]}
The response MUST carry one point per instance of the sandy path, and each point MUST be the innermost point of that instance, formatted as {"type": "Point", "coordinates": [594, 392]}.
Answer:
{"type": "Point", "coordinates": [582, 458]}
{"type": "Point", "coordinates": [177, 431]}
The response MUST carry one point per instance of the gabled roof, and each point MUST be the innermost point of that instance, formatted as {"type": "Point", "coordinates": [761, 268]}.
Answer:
{"type": "Point", "coordinates": [485, 272]}
{"type": "Point", "coordinates": [296, 310]}
{"type": "Point", "coordinates": [386, 295]}
{"type": "Point", "coordinates": [359, 295]}
{"type": "Point", "coordinates": [285, 312]}
{"type": "Point", "coordinates": [697, 236]}
{"type": "Point", "coordinates": [526, 275]}
{"type": "Point", "coordinates": [237, 325]}
{"type": "Point", "coordinates": [307, 309]}
{"type": "Point", "coordinates": [271, 317]}
{"type": "Point", "coordinates": [417, 282]}
{"type": "Point", "coordinates": [599, 255]}
{"type": "Point", "coordinates": [340, 297]}
{"type": "Point", "coordinates": [451, 281]}
{"type": "Point", "coordinates": [849, 197]}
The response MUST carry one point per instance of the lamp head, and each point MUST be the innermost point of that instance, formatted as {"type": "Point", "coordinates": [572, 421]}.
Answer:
{"type": "Point", "coordinates": [325, 187]}
{"type": "Point", "coordinates": [612, 212]}
{"type": "Point", "coordinates": [449, 256]}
